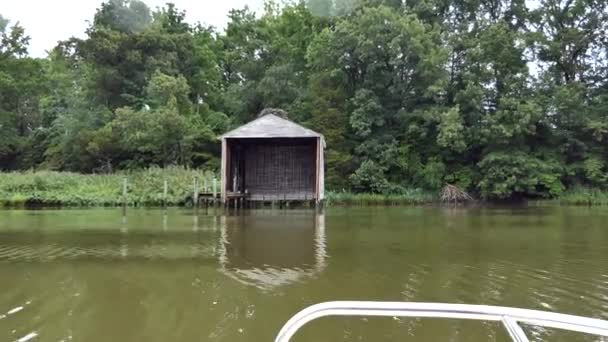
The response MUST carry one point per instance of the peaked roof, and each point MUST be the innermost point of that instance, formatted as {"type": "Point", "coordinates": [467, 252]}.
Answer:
{"type": "Point", "coordinates": [271, 126]}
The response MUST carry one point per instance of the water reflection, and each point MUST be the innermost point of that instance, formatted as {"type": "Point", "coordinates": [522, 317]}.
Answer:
{"type": "Point", "coordinates": [255, 248]}
{"type": "Point", "coordinates": [270, 251]}
{"type": "Point", "coordinates": [179, 276]}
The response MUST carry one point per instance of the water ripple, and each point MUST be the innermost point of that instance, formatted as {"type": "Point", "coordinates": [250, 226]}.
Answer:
{"type": "Point", "coordinates": [52, 252]}
{"type": "Point", "coordinates": [27, 337]}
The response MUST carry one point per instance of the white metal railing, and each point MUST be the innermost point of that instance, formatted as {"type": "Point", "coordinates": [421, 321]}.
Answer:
{"type": "Point", "coordinates": [510, 317]}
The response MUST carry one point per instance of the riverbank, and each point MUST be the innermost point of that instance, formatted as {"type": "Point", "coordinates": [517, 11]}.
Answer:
{"type": "Point", "coordinates": [144, 188]}
{"type": "Point", "coordinates": [409, 197]}
{"type": "Point", "coordinates": [583, 196]}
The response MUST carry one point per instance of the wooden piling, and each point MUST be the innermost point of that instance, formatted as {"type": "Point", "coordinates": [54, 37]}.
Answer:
{"type": "Point", "coordinates": [124, 192]}
{"type": "Point", "coordinates": [165, 191]}
{"type": "Point", "coordinates": [195, 194]}
{"type": "Point", "coordinates": [319, 206]}
{"type": "Point", "coordinates": [124, 215]}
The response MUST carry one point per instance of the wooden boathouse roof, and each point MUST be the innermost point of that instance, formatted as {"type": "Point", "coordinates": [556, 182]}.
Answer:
{"type": "Point", "coordinates": [271, 126]}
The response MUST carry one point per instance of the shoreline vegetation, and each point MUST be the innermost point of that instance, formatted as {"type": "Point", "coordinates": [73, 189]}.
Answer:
{"type": "Point", "coordinates": [508, 100]}
{"type": "Point", "coordinates": [408, 197]}
{"type": "Point", "coordinates": [67, 189]}
{"type": "Point", "coordinates": [583, 196]}
{"type": "Point", "coordinates": [145, 188]}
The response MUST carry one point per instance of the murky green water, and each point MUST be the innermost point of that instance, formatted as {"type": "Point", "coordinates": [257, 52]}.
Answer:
{"type": "Point", "coordinates": [92, 275]}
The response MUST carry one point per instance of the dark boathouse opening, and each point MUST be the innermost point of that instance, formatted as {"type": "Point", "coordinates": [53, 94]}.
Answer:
{"type": "Point", "coordinates": [272, 159]}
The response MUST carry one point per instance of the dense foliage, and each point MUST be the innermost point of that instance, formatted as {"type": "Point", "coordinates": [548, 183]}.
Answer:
{"type": "Point", "coordinates": [505, 98]}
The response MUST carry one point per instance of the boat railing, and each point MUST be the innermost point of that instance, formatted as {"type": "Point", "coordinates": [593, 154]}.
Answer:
{"type": "Point", "coordinates": [511, 318]}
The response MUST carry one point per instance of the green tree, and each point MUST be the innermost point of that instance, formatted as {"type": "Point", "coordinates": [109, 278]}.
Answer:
{"type": "Point", "coordinates": [21, 84]}
{"type": "Point", "coordinates": [164, 89]}
{"type": "Point", "coordinates": [390, 67]}
{"type": "Point", "coordinates": [500, 98]}
{"type": "Point", "coordinates": [127, 16]}
{"type": "Point", "coordinates": [125, 46]}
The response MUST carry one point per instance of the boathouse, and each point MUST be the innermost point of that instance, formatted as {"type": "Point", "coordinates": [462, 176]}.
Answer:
{"type": "Point", "coordinates": [272, 159]}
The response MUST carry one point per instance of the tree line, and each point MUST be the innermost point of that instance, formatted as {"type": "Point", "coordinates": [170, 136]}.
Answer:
{"type": "Point", "coordinates": [504, 98]}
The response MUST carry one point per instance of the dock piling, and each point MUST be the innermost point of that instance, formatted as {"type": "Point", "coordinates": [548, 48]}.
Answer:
{"type": "Point", "coordinates": [214, 190]}
{"type": "Point", "coordinates": [124, 192]}
{"type": "Point", "coordinates": [195, 194]}
{"type": "Point", "coordinates": [165, 191]}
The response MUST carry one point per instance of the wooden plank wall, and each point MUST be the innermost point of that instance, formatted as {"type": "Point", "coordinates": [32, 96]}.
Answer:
{"type": "Point", "coordinates": [281, 170]}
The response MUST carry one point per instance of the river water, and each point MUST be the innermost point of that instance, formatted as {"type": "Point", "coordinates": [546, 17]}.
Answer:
{"type": "Point", "coordinates": [94, 275]}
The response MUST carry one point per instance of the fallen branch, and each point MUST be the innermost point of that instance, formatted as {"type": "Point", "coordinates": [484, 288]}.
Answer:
{"type": "Point", "coordinates": [452, 193]}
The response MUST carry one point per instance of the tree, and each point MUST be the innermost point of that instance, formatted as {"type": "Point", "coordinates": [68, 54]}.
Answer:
{"type": "Point", "coordinates": [125, 47]}
{"type": "Point", "coordinates": [502, 99]}
{"type": "Point", "coordinates": [390, 67]}
{"type": "Point", "coordinates": [126, 16]}
{"type": "Point", "coordinates": [569, 39]}
{"type": "Point", "coordinates": [21, 83]}
{"type": "Point", "coordinates": [164, 89]}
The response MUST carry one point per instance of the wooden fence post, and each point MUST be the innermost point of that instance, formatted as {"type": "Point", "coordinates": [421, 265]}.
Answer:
{"type": "Point", "coordinates": [195, 194]}
{"type": "Point", "coordinates": [124, 191]}
{"type": "Point", "coordinates": [165, 191]}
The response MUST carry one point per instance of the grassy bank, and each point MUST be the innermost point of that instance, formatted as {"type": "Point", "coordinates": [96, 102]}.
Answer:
{"type": "Point", "coordinates": [145, 187]}
{"type": "Point", "coordinates": [414, 196]}
{"type": "Point", "coordinates": [583, 196]}
{"type": "Point", "coordinates": [574, 196]}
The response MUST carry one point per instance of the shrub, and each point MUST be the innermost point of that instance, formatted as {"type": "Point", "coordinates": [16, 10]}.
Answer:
{"type": "Point", "coordinates": [370, 178]}
{"type": "Point", "coordinates": [510, 174]}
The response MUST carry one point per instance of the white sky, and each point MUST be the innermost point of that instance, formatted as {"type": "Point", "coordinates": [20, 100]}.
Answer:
{"type": "Point", "coordinates": [48, 21]}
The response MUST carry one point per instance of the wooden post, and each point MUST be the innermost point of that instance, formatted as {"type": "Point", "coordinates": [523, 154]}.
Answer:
{"type": "Point", "coordinates": [316, 182]}
{"type": "Point", "coordinates": [214, 190]}
{"type": "Point", "coordinates": [195, 194]}
{"type": "Point", "coordinates": [165, 191]}
{"type": "Point", "coordinates": [124, 191]}
{"type": "Point", "coordinates": [224, 169]}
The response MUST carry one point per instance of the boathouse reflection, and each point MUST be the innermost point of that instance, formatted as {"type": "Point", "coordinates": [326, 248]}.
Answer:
{"type": "Point", "coordinates": [267, 251]}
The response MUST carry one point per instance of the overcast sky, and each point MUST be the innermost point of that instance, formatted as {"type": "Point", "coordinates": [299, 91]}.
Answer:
{"type": "Point", "coordinates": [48, 21]}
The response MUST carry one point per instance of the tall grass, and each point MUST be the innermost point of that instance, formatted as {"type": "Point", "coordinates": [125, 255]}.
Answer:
{"type": "Point", "coordinates": [414, 196]}
{"type": "Point", "coordinates": [583, 196]}
{"type": "Point", "coordinates": [145, 187]}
